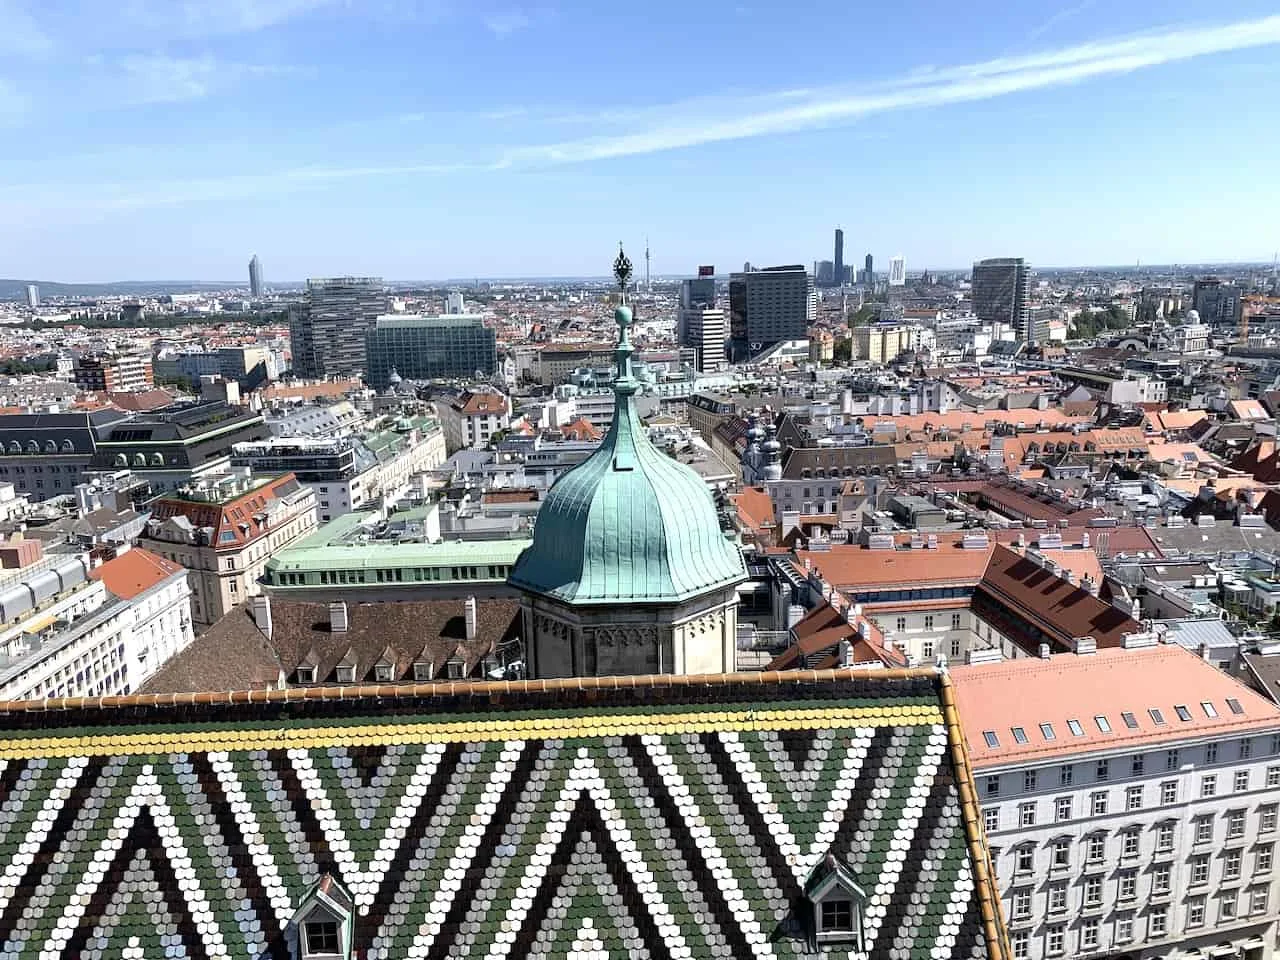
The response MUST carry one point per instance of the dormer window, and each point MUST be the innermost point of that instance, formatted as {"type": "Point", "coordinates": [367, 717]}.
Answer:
{"type": "Point", "coordinates": [838, 905]}
{"type": "Point", "coordinates": [306, 674]}
{"type": "Point", "coordinates": [455, 669]}
{"type": "Point", "coordinates": [383, 672]}
{"type": "Point", "coordinates": [320, 938]}
{"type": "Point", "coordinates": [422, 671]}
{"type": "Point", "coordinates": [322, 923]}
{"type": "Point", "coordinates": [344, 674]}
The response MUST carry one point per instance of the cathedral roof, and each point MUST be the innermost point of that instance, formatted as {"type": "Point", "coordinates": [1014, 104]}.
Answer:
{"type": "Point", "coordinates": [637, 817]}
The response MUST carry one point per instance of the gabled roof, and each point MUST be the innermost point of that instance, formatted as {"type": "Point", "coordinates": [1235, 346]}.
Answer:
{"type": "Point", "coordinates": [654, 816]}
{"type": "Point", "coordinates": [1060, 609]}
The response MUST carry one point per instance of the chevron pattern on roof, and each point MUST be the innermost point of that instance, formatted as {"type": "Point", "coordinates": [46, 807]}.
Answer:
{"type": "Point", "coordinates": [678, 830]}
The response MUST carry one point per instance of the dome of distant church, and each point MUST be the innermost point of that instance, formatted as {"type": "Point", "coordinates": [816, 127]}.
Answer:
{"type": "Point", "coordinates": [628, 524]}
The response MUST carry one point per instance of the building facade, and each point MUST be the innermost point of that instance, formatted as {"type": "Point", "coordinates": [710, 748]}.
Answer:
{"type": "Point", "coordinates": [768, 306]}
{"type": "Point", "coordinates": [429, 348]}
{"type": "Point", "coordinates": [1001, 293]}
{"type": "Point", "coordinates": [124, 373]}
{"type": "Point", "coordinates": [48, 454]}
{"type": "Point", "coordinates": [255, 277]}
{"type": "Point", "coordinates": [76, 631]}
{"type": "Point", "coordinates": [897, 271]}
{"type": "Point", "coordinates": [473, 419]}
{"type": "Point", "coordinates": [328, 332]}
{"type": "Point", "coordinates": [1130, 802]}
{"type": "Point", "coordinates": [224, 531]}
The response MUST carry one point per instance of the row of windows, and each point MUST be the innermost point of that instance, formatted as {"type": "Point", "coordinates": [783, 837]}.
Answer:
{"type": "Point", "coordinates": [395, 575]}
{"type": "Point", "coordinates": [1134, 799]}
{"type": "Point", "coordinates": [1095, 853]}
{"type": "Point", "coordinates": [1103, 768]}
{"type": "Point", "coordinates": [1230, 907]}
{"type": "Point", "coordinates": [930, 622]}
{"type": "Point", "coordinates": [34, 446]}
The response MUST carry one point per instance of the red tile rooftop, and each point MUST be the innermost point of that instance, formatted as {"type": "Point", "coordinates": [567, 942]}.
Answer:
{"type": "Point", "coordinates": [1117, 699]}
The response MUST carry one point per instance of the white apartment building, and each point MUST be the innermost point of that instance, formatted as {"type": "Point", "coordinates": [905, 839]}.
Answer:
{"type": "Point", "coordinates": [472, 419]}
{"type": "Point", "coordinates": [1130, 801]}
{"type": "Point", "coordinates": [103, 632]}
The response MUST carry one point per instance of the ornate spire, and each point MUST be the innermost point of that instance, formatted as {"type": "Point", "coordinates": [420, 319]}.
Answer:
{"type": "Point", "coordinates": [622, 271]}
{"type": "Point", "coordinates": [624, 384]}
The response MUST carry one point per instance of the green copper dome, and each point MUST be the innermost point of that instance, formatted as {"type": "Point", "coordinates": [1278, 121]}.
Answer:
{"type": "Point", "coordinates": [628, 524]}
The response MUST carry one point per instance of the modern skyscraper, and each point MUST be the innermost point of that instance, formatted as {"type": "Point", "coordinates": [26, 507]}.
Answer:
{"type": "Point", "coordinates": [870, 271]}
{"type": "Point", "coordinates": [898, 271]}
{"type": "Point", "coordinates": [693, 329]}
{"type": "Point", "coordinates": [1217, 301]}
{"type": "Point", "coordinates": [1001, 290]}
{"type": "Point", "coordinates": [427, 348]}
{"type": "Point", "coordinates": [768, 306]}
{"type": "Point", "coordinates": [328, 331]}
{"type": "Point", "coordinates": [33, 296]}
{"type": "Point", "coordinates": [255, 277]}
{"type": "Point", "coordinates": [838, 262]}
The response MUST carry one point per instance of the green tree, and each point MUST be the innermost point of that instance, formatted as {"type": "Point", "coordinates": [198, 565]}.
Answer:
{"type": "Point", "coordinates": [843, 350]}
{"type": "Point", "coordinates": [863, 315]}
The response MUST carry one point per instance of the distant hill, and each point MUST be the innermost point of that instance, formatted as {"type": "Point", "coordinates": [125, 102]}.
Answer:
{"type": "Point", "coordinates": [17, 289]}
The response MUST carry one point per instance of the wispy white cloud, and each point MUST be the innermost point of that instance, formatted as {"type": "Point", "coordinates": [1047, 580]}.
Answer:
{"type": "Point", "coordinates": [650, 129]}
{"type": "Point", "coordinates": [155, 78]}
{"type": "Point", "coordinates": [1059, 18]}
{"type": "Point", "coordinates": [920, 89]}
{"type": "Point", "coordinates": [506, 22]}
{"type": "Point", "coordinates": [20, 34]}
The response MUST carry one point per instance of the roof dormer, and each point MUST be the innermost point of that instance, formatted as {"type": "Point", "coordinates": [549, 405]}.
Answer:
{"type": "Point", "coordinates": [323, 922]}
{"type": "Point", "coordinates": [839, 905]}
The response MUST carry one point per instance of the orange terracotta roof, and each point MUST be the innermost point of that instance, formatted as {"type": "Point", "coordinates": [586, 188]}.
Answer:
{"type": "Point", "coordinates": [135, 572]}
{"type": "Point", "coordinates": [474, 404]}
{"type": "Point", "coordinates": [849, 567]}
{"type": "Point", "coordinates": [1110, 683]}
{"type": "Point", "coordinates": [755, 508]}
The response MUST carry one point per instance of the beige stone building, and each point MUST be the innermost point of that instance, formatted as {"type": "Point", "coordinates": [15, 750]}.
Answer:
{"type": "Point", "coordinates": [224, 530]}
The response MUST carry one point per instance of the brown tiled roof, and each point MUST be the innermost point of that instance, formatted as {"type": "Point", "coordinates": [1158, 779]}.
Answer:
{"type": "Point", "coordinates": [522, 495]}
{"type": "Point", "coordinates": [818, 634]}
{"type": "Point", "coordinates": [414, 632]}
{"type": "Point", "coordinates": [242, 516]}
{"type": "Point", "coordinates": [474, 404]}
{"type": "Point", "coordinates": [1061, 609]}
{"type": "Point", "coordinates": [231, 655]}
{"type": "Point", "coordinates": [850, 567]}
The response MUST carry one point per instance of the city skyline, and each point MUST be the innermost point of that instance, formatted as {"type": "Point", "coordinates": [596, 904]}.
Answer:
{"type": "Point", "coordinates": [185, 112]}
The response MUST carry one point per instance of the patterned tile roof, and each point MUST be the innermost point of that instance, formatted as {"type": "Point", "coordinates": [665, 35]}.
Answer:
{"type": "Point", "coordinates": [673, 817]}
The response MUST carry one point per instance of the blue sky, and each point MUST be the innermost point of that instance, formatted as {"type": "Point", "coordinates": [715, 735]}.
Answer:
{"type": "Point", "coordinates": [425, 139]}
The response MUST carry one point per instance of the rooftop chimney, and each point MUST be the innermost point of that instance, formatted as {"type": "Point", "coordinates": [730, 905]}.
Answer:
{"type": "Point", "coordinates": [469, 608]}
{"type": "Point", "coordinates": [338, 617]}
{"type": "Point", "coordinates": [1044, 651]}
{"type": "Point", "coordinates": [846, 653]}
{"type": "Point", "coordinates": [260, 610]}
{"type": "Point", "coordinates": [1086, 645]}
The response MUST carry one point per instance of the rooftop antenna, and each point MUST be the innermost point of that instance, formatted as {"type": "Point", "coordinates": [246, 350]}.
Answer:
{"type": "Point", "coordinates": [648, 287]}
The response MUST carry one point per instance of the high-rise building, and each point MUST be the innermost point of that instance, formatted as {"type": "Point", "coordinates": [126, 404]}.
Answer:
{"type": "Point", "coordinates": [705, 332]}
{"type": "Point", "coordinates": [1001, 289]}
{"type": "Point", "coordinates": [427, 348]}
{"type": "Point", "coordinates": [898, 271]}
{"type": "Point", "coordinates": [33, 296]}
{"type": "Point", "coordinates": [824, 273]}
{"type": "Point", "coordinates": [870, 275]}
{"type": "Point", "coordinates": [255, 277]}
{"type": "Point", "coordinates": [328, 331]}
{"type": "Point", "coordinates": [768, 306]}
{"type": "Point", "coordinates": [1217, 301]}
{"type": "Point", "coordinates": [838, 262]}
{"type": "Point", "coordinates": [696, 294]}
